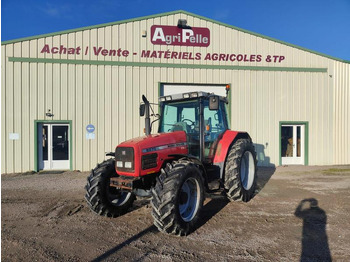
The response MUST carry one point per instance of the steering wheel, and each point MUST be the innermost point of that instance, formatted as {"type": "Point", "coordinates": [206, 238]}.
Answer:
{"type": "Point", "coordinates": [186, 119]}
{"type": "Point", "coordinates": [192, 123]}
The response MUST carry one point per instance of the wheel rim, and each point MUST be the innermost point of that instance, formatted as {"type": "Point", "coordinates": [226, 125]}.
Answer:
{"type": "Point", "coordinates": [189, 199]}
{"type": "Point", "coordinates": [247, 170]}
{"type": "Point", "coordinates": [118, 199]}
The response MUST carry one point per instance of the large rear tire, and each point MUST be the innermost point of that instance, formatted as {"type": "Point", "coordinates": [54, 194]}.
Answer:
{"type": "Point", "coordinates": [240, 171]}
{"type": "Point", "coordinates": [103, 199]}
{"type": "Point", "coordinates": [177, 198]}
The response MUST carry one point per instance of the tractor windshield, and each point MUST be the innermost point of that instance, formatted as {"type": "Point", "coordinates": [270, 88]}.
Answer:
{"type": "Point", "coordinates": [180, 116]}
{"type": "Point", "coordinates": [184, 116]}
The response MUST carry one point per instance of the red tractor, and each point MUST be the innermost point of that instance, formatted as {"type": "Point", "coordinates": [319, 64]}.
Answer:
{"type": "Point", "coordinates": [193, 154]}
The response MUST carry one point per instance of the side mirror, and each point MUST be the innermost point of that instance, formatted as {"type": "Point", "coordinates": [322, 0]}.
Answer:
{"type": "Point", "coordinates": [142, 109]}
{"type": "Point", "coordinates": [214, 103]}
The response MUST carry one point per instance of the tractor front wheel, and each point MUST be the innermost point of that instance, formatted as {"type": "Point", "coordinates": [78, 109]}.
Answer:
{"type": "Point", "coordinates": [240, 171]}
{"type": "Point", "coordinates": [177, 198]}
{"type": "Point", "coordinates": [102, 198]}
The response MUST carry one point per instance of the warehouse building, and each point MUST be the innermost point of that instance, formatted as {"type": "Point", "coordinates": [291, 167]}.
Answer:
{"type": "Point", "coordinates": [69, 97]}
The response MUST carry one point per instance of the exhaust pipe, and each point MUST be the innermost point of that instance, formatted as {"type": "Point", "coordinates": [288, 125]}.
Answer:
{"type": "Point", "coordinates": [147, 116]}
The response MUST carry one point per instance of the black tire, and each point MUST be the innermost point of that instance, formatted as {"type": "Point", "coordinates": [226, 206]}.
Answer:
{"type": "Point", "coordinates": [240, 171]}
{"type": "Point", "coordinates": [177, 198]}
{"type": "Point", "coordinates": [103, 199]}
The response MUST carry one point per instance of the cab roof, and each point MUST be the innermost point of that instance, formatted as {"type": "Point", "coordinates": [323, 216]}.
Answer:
{"type": "Point", "coordinates": [189, 95]}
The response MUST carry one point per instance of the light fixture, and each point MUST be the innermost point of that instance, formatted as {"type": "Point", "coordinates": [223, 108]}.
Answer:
{"type": "Point", "coordinates": [49, 114]}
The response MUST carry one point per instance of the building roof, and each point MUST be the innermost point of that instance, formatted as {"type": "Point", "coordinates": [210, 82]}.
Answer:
{"type": "Point", "coordinates": [167, 14]}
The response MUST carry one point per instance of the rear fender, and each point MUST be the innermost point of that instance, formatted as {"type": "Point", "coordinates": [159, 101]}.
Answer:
{"type": "Point", "coordinates": [224, 145]}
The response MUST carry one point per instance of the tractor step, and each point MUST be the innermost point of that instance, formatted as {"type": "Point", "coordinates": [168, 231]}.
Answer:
{"type": "Point", "coordinates": [218, 194]}
{"type": "Point", "coordinates": [214, 185]}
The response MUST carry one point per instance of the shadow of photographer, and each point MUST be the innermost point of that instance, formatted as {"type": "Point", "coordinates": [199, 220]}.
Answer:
{"type": "Point", "coordinates": [314, 239]}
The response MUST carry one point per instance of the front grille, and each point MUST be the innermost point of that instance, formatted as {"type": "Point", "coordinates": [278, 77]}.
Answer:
{"type": "Point", "coordinates": [124, 159]}
{"type": "Point", "coordinates": [149, 161]}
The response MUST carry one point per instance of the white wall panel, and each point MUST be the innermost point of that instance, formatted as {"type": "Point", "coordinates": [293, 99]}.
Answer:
{"type": "Point", "coordinates": [341, 113]}
{"type": "Point", "coordinates": [4, 131]}
{"type": "Point", "coordinates": [27, 132]}
{"type": "Point", "coordinates": [79, 134]}
{"type": "Point", "coordinates": [9, 112]}
{"type": "Point", "coordinates": [93, 113]}
{"type": "Point", "coordinates": [17, 108]}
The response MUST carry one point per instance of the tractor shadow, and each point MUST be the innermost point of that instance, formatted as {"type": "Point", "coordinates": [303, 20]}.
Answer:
{"type": "Point", "coordinates": [264, 174]}
{"type": "Point", "coordinates": [213, 207]}
{"type": "Point", "coordinates": [209, 210]}
{"type": "Point", "coordinates": [112, 251]}
{"type": "Point", "coordinates": [140, 202]}
{"type": "Point", "coordinates": [217, 203]}
{"type": "Point", "coordinates": [265, 168]}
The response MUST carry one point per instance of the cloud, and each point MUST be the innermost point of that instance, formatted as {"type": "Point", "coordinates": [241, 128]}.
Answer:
{"type": "Point", "coordinates": [56, 11]}
{"type": "Point", "coordinates": [222, 14]}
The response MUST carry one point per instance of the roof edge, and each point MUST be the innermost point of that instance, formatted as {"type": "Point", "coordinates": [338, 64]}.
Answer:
{"type": "Point", "coordinates": [171, 13]}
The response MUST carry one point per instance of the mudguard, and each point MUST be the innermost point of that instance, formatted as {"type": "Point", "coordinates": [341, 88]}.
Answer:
{"type": "Point", "coordinates": [223, 147]}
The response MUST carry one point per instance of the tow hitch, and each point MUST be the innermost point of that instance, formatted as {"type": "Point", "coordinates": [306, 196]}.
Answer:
{"type": "Point", "coordinates": [124, 183]}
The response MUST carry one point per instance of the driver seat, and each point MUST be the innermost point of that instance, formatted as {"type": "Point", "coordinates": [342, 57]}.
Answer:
{"type": "Point", "coordinates": [180, 126]}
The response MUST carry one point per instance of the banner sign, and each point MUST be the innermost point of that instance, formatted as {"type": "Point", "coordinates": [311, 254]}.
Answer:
{"type": "Point", "coordinates": [169, 36]}
{"type": "Point", "coordinates": [173, 35]}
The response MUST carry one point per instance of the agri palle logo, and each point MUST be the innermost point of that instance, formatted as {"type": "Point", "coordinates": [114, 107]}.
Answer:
{"type": "Point", "coordinates": [173, 35]}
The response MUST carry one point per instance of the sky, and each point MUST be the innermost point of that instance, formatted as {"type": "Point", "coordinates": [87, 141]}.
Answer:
{"type": "Point", "coordinates": [320, 25]}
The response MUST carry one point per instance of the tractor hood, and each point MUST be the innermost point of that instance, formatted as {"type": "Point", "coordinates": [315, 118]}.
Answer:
{"type": "Point", "coordinates": [146, 155]}
{"type": "Point", "coordinates": [150, 143]}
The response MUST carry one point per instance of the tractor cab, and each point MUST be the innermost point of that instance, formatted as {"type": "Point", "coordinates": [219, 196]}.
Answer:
{"type": "Point", "coordinates": [202, 116]}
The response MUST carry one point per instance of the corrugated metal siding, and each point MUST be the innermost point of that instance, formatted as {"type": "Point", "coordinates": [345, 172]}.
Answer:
{"type": "Point", "coordinates": [268, 97]}
{"type": "Point", "coordinates": [260, 100]}
{"type": "Point", "coordinates": [108, 96]}
{"type": "Point", "coordinates": [341, 111]}
{"type": "Point", "coordinates": [3, 110]}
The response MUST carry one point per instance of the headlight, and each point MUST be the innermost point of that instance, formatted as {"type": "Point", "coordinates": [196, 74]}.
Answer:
{"type": "Point", "coordinates": [128, 165]}
{"type": "Point", "coordinates": [124, 159]}
{"type": "Point", "coordinates": [194, 94]}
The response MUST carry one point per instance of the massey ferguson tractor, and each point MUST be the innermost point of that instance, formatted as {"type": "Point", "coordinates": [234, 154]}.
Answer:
{"type": "Point", "coordinates": [193, 155]}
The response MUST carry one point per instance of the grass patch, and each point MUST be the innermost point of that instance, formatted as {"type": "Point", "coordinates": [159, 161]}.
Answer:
{"type": "Point", "coordinates": [337, 170]}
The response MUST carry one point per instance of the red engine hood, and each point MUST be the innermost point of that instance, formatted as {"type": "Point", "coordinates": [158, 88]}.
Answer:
{"type": "Point", "coordinates": [164, 145]}
{"type": "Point", "coordinates": [144, 143]}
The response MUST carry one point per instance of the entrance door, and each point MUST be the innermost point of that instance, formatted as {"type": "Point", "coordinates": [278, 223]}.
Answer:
{"type": "Point", "coordinates": [293, 144]}
{"type": "Point", "coordinates": [53, 146]}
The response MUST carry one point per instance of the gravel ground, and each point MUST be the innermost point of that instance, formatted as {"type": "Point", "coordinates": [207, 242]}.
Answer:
{"type": "Point", "coordinates": [44, 218]}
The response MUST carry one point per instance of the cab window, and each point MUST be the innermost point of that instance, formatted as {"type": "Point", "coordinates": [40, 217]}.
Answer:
{"type": "Point", "coordinates": [179, 116]}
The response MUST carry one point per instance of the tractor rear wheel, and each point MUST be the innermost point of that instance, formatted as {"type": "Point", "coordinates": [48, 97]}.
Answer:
{"type": "Point", "coordinates": [103, 199]}
{"type": "Point", "coordinates": [177, 198]}
{"type": "Point", "coordinates": [240, 171]}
